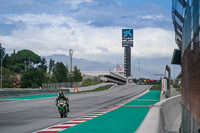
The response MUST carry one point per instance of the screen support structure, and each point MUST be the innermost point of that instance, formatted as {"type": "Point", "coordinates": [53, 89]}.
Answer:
{"type": "Point", "coordinates": [127, 43]}
{"type": "Point", "coordinates": [127, 61]}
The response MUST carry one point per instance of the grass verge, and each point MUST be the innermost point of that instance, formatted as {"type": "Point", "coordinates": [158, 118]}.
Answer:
{"type": "Point", "coordinates": [156, 88]}
{"type": "Point", "coordinates": [100, 88]}
{"type": "Point", "coordinates": [89, 82]}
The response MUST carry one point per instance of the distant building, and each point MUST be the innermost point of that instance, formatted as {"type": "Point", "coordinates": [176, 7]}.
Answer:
{"type": "Point", "coordinates": [105, 76]}
{"type": "Point", "coordinates": [119, 69]}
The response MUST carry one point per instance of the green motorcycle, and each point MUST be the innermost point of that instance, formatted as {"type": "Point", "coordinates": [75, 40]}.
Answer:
{"type": "Point", "coordinates": [62, 108]}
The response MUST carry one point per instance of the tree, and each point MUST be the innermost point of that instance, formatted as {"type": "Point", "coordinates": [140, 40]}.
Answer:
{"type": "Point", "coordinates": [17, 67]}
{"type": "Point", "coordinates": [2, 52]}
{"type": "Point", "coordinates": [22, 58]}
{"type": "Point", "coordinates": [60, 72]}
{"type": "Point", "coordinates": [33, 78]}
{"type": "Point", "coordinates": [43, 65]}
{"type": "Point", "coordinates": [7, 61]}
{"type": "Point", "coordinates": [51, 65]}
{"type": "Point", "coordinates": [27, 55]}
{"type": "Point", "coordinates": [77, 76]}
{"type": "Point", "coordinates": [8, 78]}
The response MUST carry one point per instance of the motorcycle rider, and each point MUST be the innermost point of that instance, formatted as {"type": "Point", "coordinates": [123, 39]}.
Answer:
{"type": "Point", "coordinates": [61, 95]}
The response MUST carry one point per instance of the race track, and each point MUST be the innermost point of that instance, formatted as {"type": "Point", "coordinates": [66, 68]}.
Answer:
{"type": "Point", "coordinates": [25, 116]}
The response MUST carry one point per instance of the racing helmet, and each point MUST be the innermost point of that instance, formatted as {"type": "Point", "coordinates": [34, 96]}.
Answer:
{"type": "Point", "coordinates": [61, 94]}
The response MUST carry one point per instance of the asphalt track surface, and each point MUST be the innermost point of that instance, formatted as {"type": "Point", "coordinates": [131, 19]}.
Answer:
{"type": "Point", "coordinates": [27, 116]}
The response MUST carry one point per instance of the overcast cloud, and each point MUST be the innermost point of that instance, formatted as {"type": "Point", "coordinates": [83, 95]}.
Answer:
{"type": "Point", "coordinates": [90, 27]}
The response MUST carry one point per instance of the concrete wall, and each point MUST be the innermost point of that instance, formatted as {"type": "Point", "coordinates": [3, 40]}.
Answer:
{"type": "Point", "coordinates": [27, 92]}
{"type": "Point", "coordinates": [164, 117]}
{"type": "Point", "coordinates": [89, 87]}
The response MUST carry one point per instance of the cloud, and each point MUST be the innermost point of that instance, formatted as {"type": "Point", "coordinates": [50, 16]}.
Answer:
{"type": "Point", "coordinates": [75, 3]}
{"type": "Point", "coordinates": [60, 33]}
{"type": "Point", "coordinates": [104, 49]}
{"type": "Point", "coordinates": [38, 19]}
{"type": "Point", "coordinates": [153, 42]}
{"type": "Point", "coordinates": [112, 13]}
{"type": "Point", "coordinates": [153, 17]}
{"type": "Point", "coordinates": [54, 36]}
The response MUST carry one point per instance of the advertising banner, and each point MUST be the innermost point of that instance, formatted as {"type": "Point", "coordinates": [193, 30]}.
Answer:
{"type": "Point", "coordinates": [127, 43]}
{"type": "Point", "coordinates": [127, 34]}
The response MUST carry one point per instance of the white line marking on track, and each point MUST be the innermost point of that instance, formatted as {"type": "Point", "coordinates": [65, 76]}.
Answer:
{"type": "Point", "coordinates": [52, 129]}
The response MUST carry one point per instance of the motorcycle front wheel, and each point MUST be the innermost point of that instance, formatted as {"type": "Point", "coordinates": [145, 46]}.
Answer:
{"type": "Point", "coordinates": [61, 114]}
{"type": "Point", "coordinates": [66, 114]}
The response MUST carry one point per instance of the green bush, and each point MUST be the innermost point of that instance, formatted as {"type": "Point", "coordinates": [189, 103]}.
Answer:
{"type": "Point", "coordinates": [156, 87]}
{"type": "Point", "coordinates": [102, 88]}
{"type": "Point", "coordinates": [7, 84]}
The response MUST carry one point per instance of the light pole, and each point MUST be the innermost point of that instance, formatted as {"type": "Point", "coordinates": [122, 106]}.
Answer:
{"type": "Point", "coordinates": [139, 69]}
{"type": "Point", "coordinates": [29, 64]}
{"type": "Point", "coordinates": [70, 53]}
{"type": "Point", "coordinates": [25, 65]}
{"type": "Point", "coordinates": [2, 49]}
{"type": "Point", "coordinates": [174, 74]}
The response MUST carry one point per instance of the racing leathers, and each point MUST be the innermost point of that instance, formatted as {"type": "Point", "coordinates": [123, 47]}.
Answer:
{"type": "Point", "coordinates": [62, 96]}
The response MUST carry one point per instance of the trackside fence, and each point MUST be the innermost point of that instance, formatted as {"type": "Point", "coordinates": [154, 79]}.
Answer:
{"type": "Point", "coordinates": [61, 85]}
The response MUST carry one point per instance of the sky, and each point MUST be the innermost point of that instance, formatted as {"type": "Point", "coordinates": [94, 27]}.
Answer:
{"type": "Point", "coordinates": [92, 28]}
